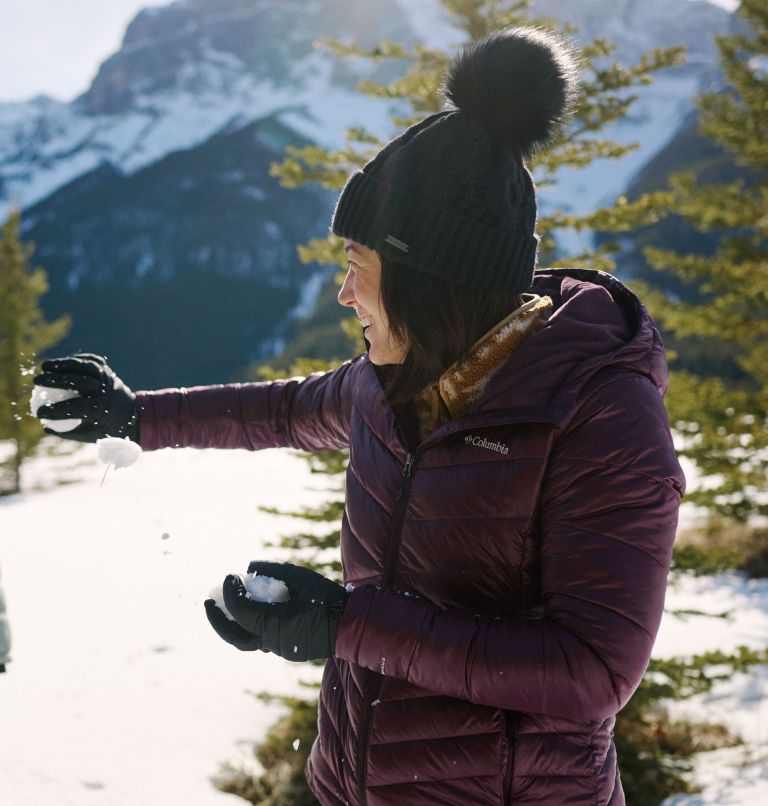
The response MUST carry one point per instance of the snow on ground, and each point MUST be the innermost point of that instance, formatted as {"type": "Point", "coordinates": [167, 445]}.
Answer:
{"type": "Point", "coordinates": [736, 775]}
{"type": "Point", "coordinates": [119, 691]}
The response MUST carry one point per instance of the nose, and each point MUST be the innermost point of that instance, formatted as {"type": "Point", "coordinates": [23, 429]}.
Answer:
{"type": "Point", "coordinates": [347, 291]}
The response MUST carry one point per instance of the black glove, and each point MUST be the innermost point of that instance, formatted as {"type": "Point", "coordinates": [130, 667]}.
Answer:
{"type": "Point", "coordinates": [303, 628]}
{"type": "Point", "coordinates": [107, 407]}
{"type": "Point", "coordinates": [230, 631]}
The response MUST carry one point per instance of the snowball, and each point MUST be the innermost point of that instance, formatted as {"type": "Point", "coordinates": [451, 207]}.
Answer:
{"type": "Point", "coordinates": [266, 589]}
{"type": "Point", "coordinates": [118, 452]}
{"type": "Point", "coordinates": [217, 594]}
{"type": "Point", "coordinates": [257, 587]}
{"type": "Point", "coordinates": [47, 395]}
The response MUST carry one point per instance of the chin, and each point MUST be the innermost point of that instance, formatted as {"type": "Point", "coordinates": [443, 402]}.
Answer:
{"type": "Point", "coordinates": [383, 358]}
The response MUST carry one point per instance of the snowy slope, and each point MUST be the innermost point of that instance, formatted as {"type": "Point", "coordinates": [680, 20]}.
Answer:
{"type": "Point", "coordinates": [736, 776]}
{"type": "Point", "coordinates": [183, 74]}
{"type": "Point", "coordinates": [45, 144]}
{"type": "Point", "coordinates": [120, 693]}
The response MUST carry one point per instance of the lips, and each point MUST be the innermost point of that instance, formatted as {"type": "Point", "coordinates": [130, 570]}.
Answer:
{"type": "Point", "coordinates": [365, 322]}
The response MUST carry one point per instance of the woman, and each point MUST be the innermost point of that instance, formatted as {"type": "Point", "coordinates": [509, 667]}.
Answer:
{"type": "Point", "coordinates": [512, 489]}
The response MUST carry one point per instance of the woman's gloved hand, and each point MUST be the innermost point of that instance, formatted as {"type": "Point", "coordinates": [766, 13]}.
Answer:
{"type": "Point", "coordinates": [106, 406]}
{"type": "Point", "coordinates": [230, 631]}
{"type": "Point", "coordinates": [303, 628]}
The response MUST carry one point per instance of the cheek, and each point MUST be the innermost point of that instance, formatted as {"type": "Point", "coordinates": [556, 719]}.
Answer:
{"type": "Point", "coordinates": [369, 292]}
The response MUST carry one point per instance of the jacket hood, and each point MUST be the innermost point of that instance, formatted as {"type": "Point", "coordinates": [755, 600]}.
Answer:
{"type": "Point", "coordinates": [596, 323]}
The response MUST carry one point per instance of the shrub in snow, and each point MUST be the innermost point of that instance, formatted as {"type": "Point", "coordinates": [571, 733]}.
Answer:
{"type": "Point", "coordinates": [282, 755]}
{"type": "Point", "coordinates": [47, 396]}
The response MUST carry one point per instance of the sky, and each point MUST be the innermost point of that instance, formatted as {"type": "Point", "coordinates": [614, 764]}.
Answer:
{"type": "Point", "coordinates": [55, 48]}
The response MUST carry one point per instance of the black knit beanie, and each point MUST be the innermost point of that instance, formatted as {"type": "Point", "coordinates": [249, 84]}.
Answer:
{"type": "Point", "coordinates": [452, 196]}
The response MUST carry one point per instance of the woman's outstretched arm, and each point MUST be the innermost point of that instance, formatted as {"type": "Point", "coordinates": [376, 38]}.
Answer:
{"type": "Point", "coordinates": [305, 413]}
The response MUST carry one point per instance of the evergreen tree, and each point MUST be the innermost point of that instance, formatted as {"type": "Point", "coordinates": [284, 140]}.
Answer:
{"type": "Point", "coordinates": [725, 424]}
{"type": "Point", "coordinates": [24, 334]}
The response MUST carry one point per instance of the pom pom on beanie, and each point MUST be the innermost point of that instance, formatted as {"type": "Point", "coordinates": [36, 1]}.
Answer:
{"type": "Point", "coordinates": [517, 84]}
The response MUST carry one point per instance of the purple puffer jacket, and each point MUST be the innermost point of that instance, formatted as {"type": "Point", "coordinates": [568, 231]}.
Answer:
{"type": "Point", "coordinates": [509, 574]}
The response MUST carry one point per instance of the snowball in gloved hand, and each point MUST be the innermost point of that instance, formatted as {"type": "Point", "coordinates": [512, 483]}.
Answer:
{"type": "Point", "coordinates": [47, 396]}
{"type": "Point", "coordinates": [258, 587]}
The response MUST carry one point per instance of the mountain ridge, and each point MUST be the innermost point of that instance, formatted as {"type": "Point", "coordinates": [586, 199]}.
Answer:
{"type": "Point", "coordinates": [149, 99]}
{"type": "Point", "coordinates": [110, 183]}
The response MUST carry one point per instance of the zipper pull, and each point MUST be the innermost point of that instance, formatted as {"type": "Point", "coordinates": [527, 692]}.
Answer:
{"type": "Point", "coordinates": [408, 467]}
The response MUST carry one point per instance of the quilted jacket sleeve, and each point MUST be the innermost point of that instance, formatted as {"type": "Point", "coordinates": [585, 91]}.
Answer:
{"type": "Point", "coordinates": [608, 516]}
{"type": "Point", "coordinates": [306, 413]}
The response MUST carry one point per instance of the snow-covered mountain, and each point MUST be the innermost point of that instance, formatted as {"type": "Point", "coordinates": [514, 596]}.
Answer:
{"type": "Point", "coordinates": [152, 188]}
{"type": "Point", "coordinates": [187, 71]}
{"type": "Point", "coordinates": [636, 27]}
{"type": "Point", "coordinates": [191, 69]}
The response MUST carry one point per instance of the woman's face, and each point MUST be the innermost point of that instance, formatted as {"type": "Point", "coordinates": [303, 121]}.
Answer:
{"type": "Point", "coordinates": [361, 291]}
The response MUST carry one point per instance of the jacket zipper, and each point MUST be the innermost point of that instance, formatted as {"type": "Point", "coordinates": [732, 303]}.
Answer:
{"type": "Point", "coordinates": [512, 719]}
{"type": "Point", "coordinates": [397, 528]}
{"type": "Point", "coordinates": [374, 689]}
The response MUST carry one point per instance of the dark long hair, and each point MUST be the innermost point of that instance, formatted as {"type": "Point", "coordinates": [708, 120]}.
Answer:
{"type": "Point", "coordinates": [441, 319]}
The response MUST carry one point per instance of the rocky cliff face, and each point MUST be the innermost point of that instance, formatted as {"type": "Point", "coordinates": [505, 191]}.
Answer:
{"type": "Point", "coordinates": [637, 26]}
{"type": "Point", "coordinates": [201, 47]}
